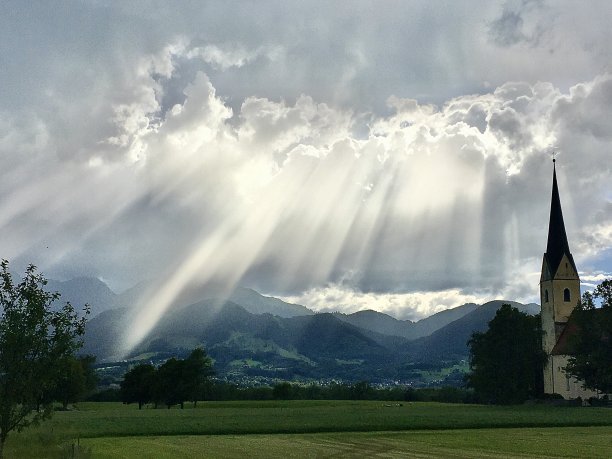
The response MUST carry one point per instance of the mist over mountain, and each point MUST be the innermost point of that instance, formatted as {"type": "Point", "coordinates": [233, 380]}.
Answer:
{"type": "Point", "coordinates": [256, 303]}
{"type": "Point", "coordinates": [94, 292]}
{"type": "Point", "coordinates": [85, 290]}
{"type": "Point", "coordinates": [103, 333]}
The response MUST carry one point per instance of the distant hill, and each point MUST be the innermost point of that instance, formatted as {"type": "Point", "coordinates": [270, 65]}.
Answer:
{"type": "Point", "coordinates": [315, 345]}
{"type": "Point", "coordinates": [379, 322]}
{"type": "Point", "coordinates": [104, 332]}
{"type": "Point", "coordinates": [249, 299]}
{"type": "Point", "coordinates": [256, 303]}
{"type": "Point", "coordinates": [387, 325]}
{"type": "Point", "coordinates": [85, 290]}
{"type": "Point", "coordinates": [303, 346]}
{"type": "Point", "coordinates": [254, 335]}
{"type": "Point", "coordinates": [450, 341]}
{"type": "Point", "coordinates": [440, 319]}
{"type": "Point", "coordinates": [207, 323]}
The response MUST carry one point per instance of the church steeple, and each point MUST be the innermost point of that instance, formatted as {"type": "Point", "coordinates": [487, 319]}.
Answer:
{"type": "Point", "coordinates": [559, 295]}
{"type": "Point", "coordinates": [557, 245]}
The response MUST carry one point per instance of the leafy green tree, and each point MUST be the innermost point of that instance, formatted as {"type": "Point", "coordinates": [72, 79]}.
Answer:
{"type": "Point", "coordinates": [173, 383]}
{"type": "Point", "coordinates": [71, 384]}
{"type": "Point", "coordinates": [35, 341]}
{"type": "Point", "coordinates": [137, 385]}
{"type": "Point", "coordinates": [362, 390]}
{"type": "Point", "coordinates": [77, 378]}
{"type": "Point", "coordinates": [282, 391]}
{"type": "Point", "coordinates": [591, 346]}
{"type": "Point", "coordinates": [506, 361]}
{"type": "Point", "coordinates": [91, 378]}
{"type": "Point", "coordinates": [197, 370]}
{"type": "Point", "coordinates": [170, 387]}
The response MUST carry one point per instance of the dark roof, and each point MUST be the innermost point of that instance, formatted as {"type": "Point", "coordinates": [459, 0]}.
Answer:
{"type": "Point", "coordinates": [563, 345]}
{"type": "Point", "coordinates": [565, 340]}
{"type": "Point", "coordinates": [557, 244]}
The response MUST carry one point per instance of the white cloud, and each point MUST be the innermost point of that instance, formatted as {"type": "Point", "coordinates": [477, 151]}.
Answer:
{"type": "Point", "coordinates": [228, 56]}
{"type": "Point", "coordinates": [413, 306]}
{"type": "Point", "coordinates": [595, 277]}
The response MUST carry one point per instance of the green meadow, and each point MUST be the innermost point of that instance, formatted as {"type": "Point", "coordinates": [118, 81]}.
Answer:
{"type": "Point", "coordinates": [318, 429]}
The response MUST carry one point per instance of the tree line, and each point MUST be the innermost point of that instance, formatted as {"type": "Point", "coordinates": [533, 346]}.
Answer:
{"type": "Point", "coordinates": [172, 383]}
{"type": "Point", "coordinates": [363, 390]}
{"type": "Point", "coordinates": [215, 390]}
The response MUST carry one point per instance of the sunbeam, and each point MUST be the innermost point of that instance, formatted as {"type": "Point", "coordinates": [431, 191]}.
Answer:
{"type": "Point", "coordinates": [364, 174]}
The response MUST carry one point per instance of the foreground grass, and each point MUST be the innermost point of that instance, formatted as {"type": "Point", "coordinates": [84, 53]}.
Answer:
{"type": "Point", "coordinates": [570, 442]}
{"type": "Point", "coordinates": [182, 432]}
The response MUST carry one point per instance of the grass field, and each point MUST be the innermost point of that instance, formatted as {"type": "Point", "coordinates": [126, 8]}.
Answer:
{"type": "Point", "coordinates": [320, 429]}
{"type": "Point", "coordinates": [570, 442]}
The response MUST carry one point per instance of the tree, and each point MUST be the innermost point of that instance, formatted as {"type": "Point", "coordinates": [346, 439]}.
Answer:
{"type": "Point", "coordinates": [137, 385]}
{"type": "Point", "coordinates": [77, 378]}
{"type": "Point", "coordinates": [71, 384]}
{"type": "Point", "coordinates": [170, 387]}
{"type": "Point", "coordinates": [35, 341]}
{"type": "Point", "coordinates": [89, 373]}
{"type": "Point", "coordinates": [180, 380]}
{"type": "Point", "coordinates": [506, 361]}
{"type": "Point", "coordinates": [591, 344]}
{"type": "Point", "coordinates": [362, 391]}
{"type": "Point", "coordinates": [174, 382]}
{"type": "Point", "coordinates": [196, 372]}
{"type": "Point", "coordinates": [282, 391]}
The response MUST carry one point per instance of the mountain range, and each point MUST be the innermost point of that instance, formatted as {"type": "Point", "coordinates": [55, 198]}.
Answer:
{"type": "Point", "coordinates": [251, 336]}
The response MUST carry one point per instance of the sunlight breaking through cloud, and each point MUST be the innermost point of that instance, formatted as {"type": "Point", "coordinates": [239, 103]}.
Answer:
{"type": "Point", "coordinates": [417, 210]}
{"type": "Point", "coordinates": [407, 203]}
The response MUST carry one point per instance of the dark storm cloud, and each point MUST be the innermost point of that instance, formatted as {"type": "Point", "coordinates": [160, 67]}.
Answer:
{"type": "Point", "coordinates": [509, 28]}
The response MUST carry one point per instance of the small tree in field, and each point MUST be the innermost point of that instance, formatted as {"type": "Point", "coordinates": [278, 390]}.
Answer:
{"type": "Point", "coordinates": [35, 344]}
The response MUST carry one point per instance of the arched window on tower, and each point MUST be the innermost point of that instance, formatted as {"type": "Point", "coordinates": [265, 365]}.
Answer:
{"type": "Point", "coordinates": [566, 295]}
{"type": "Point", "coordinates": [545, 296]}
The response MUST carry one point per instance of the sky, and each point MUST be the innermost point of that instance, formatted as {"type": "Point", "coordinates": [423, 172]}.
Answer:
{"type": "Point", "coordinates": [387, 155]}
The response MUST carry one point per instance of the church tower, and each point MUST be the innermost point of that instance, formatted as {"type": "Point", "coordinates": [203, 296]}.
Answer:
{"type": "Point", "coordinates": [559, 295]}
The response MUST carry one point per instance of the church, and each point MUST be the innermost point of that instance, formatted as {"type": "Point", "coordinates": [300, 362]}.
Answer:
{"type": "Point", "coordinates": [559, 295]}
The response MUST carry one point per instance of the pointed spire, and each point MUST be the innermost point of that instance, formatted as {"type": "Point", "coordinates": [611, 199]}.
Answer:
{"type": "Point", "coordinates": [557, 244]}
